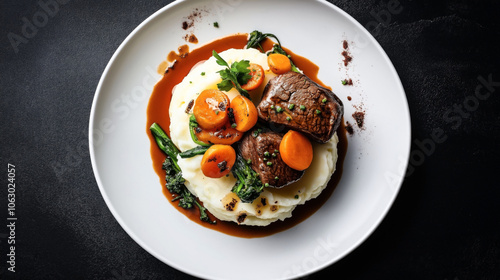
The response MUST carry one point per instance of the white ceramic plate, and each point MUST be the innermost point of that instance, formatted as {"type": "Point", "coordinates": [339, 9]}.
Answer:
{"type": "Point", "coordinates": [373, 168]}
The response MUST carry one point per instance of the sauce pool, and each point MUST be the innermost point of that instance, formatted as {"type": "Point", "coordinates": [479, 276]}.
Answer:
{"type": "Point", "coordinates": [157, 111]}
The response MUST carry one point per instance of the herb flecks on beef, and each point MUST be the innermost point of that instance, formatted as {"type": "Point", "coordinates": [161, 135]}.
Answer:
{"type": "Point", "coordinates": [296, 102]}
{"type": "Point", "coordinates": [263, 154]}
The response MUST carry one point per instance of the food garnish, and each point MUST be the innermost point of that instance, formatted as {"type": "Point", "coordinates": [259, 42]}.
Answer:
{"type": "Point", "coordinates": [248, 186]}
{"type": "Point", "coordinates": [256, 37]}
{"type": "Point", "coordinates": [233, 76]}
{"type": "Point", "coordinates": [257, 73]}
{"type": "Point", "coordinates": [175, 181]}
{"type": "Point", "coordinates": [193, 127]}
{"type": "Point", "coordinates": [198, 150]}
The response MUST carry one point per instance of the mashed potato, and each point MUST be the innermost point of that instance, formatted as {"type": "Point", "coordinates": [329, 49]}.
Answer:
{"type": "Point", "coordinates": [216, 195]}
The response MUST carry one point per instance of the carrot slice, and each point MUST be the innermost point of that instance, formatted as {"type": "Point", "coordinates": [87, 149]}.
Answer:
{"type": "Point", "coordinates": [257, 73]}
{"type": "Point", "coordinates": [218, 161]}
{"type": "Point", "coordinates": [245, 113]}
{"type": "Point", "coordinates": [210, 109]}
{"type": "Point", "coordinates": [279, 63]}
{"type": "Point", "coordinates": [224, 135]}
{"type": "Point", "coordinates": [296, 150]}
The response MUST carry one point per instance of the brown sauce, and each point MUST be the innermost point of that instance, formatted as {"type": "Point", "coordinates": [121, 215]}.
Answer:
{"type": "Point", "coordinates": [183, 52]}
{"type": "Point", "coordinates": [157, 111]}
{"type": "Point", "coordinates": [193, 39]}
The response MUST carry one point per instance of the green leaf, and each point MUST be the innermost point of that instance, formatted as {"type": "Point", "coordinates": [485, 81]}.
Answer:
{"type": "Point", "coordinates": [192, 126]}
{"type": "Point", "coordinates": [248, 185]}
{"type": "Point", "coordinates": [198, 150]}
{"type": "Point", "coordinates": [233, 76]}
{"type": "Point", "coordinates": [256, 37]}
{"type": "Point", "coordinates": [219, 59]}
{"type": "Point", "coordinates": [241, 71]}
{"type": "Point", "coordinates": [203, 214]}
{"type": "Point", "coordinates": [225, 85]}
{"type": "Point", "coordinates": [240, 66]}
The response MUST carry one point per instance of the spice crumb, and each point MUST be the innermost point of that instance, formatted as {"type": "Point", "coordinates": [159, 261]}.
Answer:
{"type": "Point", "coordinates": [347, 58]}
{"type": "Point", "coordinates": [348, 128]}
{"type": "Point", "coordinates": [347, 82]}
{"type": "Point", "coordinates": [345, 44]}
{"type": "Point", "coordinates": [359, 117]}
{"type": "Point", "coordinates": [191, 38]}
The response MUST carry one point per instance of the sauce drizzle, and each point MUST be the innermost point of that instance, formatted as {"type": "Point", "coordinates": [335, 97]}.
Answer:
{"type": "Point", "coordinates": [157, 111]}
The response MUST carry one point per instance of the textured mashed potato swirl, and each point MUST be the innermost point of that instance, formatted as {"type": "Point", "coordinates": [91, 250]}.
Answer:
{"type": "Point", "coordinates": [216, 195]}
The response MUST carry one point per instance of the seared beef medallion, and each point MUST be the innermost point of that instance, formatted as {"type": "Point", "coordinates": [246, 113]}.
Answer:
{"type": "Point", "coordinates": [261, 149]}
{"type": "Point", "coordinates": [298, 103]}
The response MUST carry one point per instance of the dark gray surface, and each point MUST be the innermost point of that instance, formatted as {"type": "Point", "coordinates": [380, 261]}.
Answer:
{"type": "Point", "coordinates": [445, 223]}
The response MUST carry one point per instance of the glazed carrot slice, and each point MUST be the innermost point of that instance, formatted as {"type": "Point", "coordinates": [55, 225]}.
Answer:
{"type": "Point", "coordinates": [296, 150]}
{"type": "Point", "coordinates": [279, 63]}
{"type": "Point", "coordinates": [210, 109]}
{"type": "Point", "coordinates": [257, 73]}
{"type": "Point", "coordinates": [245, 113]}
{"type": "Point", "coordinates": [224, 135]}
{"type": "Point", "coordinates": [218, 161]}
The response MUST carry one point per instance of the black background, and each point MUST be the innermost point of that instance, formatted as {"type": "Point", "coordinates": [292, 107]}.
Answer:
{"type": "Point", "coordinates": [445, 223]}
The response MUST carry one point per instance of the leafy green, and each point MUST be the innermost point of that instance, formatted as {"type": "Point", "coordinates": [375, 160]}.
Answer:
{"type": "Point", "coordinates": [203, 213]}
{"type": "Point", "coordinates": [233, 76]}
{"type": "Point", "coordinates": [256, 37]}
{"type": "Point", "coordinates": [248, 185]}
{"type": "Point", "coordinates": [277, 49]}
{"type": "Point", "coordinates": [165, 144]}
{"type": "Point", "coordinates": [186, 199]}
{"type": "Point", "coordinates": [173, 173]}
{"type": "Point", "coordinates": [175, 181]}
{"type": "Point", "coordinates": [198, 150]}
{"type": "Point", "coordinates": [193, 124]}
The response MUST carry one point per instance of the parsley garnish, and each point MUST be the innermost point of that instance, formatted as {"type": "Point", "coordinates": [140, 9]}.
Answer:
{"type": "Point", "coordinates": [233, 76]}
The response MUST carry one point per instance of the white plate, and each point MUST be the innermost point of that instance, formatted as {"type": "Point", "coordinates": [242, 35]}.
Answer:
{"type": "Point", "coordinates": [373, 168]}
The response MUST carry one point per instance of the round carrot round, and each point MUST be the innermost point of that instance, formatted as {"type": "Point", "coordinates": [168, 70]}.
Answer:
{"type": "Point", "coordinates": [225, 135]}
{"type": "Point", "coordinates": [296, 150]}
{"type": "Point", "coordinates": [257, 73]}
{"type": "Point", "coordinates": [279, 63]}
{"type": "Point", "coordinates": [218, 161]}
{"type": "Point", "coordinates": [245, 113]}
{"type": "Point", "coordinates": [210, 109]}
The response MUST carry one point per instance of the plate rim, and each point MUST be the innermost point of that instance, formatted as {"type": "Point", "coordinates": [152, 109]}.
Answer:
{"type": "Point", "coordinates": [181, 268]}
